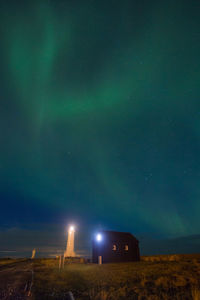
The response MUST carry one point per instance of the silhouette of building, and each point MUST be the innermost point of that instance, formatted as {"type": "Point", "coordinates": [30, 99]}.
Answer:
{"type": "Point", "coordinates": [111, 246]}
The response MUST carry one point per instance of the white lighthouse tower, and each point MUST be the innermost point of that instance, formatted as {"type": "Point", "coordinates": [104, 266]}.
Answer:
{"type": "Point", "coordinates": [69, 252]}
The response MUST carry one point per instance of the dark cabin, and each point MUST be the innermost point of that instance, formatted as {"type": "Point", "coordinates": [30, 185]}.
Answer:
{"type": "Point", "coordinates": [115, 246]}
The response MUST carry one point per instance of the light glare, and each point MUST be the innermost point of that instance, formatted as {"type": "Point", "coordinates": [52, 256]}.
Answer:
{"type": "Point", "coordinates": [71, 228]}
{"type": "Point", "coordinates": [99, 237]}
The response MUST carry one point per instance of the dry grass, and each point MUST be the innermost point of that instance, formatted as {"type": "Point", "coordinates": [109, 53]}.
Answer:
{"type": "Point", "coordinates": [5, 261]}
{"type": "Point", "coordinates": [195, 293]}
{"type": "Point", "coordinates": [149, 279]}
{"type": "Point", "coordinates": [173, 257]}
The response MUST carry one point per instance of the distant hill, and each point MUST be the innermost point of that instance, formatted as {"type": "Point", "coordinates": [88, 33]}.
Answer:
{"type": "Point", "coordinates": [186, 244]}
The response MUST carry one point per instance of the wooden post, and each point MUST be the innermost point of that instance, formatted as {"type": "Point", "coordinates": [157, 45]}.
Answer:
{"type": "Point", "coordinates": [60, 257]}
{"type": "Point", "coordinates": [63, 262]}
{"type": "Point", "coordinates": [33, 254]}
{"type": "Point", "coordinates": [100, 260]}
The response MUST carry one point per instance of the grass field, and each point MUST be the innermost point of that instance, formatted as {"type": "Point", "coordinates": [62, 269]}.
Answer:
{"type": "Point", "coordinates": [5, 261]}
{"type": "Point", "coordinates": [155, 277]}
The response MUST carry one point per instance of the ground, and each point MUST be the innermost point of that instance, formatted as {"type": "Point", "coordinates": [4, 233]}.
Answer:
{"type": "Point", "coordinates": [16, 278]}
{"type": "Point", "coordinates": [155, 277]}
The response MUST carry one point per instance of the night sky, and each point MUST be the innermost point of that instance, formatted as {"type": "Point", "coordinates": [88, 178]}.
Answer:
{"type": "Point", "coordinates": [100, 115]}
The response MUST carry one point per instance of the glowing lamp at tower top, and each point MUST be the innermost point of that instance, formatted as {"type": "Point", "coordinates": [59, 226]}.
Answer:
{"type": "Point", "coordinates": [71, 228]}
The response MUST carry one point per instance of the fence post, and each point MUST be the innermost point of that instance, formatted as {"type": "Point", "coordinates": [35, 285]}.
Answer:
{"type": "Point", "coordinates": [59, 262]}
{"type": "Point", "coordinates": [100, 260]}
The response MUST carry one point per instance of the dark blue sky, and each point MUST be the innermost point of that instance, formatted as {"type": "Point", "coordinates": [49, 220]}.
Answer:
{"type": "Point", "coordinates": [100, 115]}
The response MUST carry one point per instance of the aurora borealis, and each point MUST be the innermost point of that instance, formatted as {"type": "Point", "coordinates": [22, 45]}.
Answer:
{"type": "Point", "coordinates": [100, 114]}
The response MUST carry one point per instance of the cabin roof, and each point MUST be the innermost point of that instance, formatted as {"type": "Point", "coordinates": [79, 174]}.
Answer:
{"type": "Point", "coordinates": [119, 234]}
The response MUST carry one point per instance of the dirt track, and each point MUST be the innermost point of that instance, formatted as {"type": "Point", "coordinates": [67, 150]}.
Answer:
{"type": "Point", "coordinates": [16, 280]}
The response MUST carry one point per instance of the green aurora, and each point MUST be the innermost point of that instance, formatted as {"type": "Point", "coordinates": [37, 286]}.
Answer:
{"type": "Point", "coordinates": [100, 113]}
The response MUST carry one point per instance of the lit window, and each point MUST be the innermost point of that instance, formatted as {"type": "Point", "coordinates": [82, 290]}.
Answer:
{"type": "Point", "coordinates": [114, 248]}
{"type": "Point", "coordinates": [126, 247]}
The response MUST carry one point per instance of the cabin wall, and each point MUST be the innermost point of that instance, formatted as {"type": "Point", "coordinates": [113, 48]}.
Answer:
{"type": "Point", "coordinates": [105, 249]}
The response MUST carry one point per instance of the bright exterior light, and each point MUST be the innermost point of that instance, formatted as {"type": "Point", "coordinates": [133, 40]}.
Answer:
{"type": "Point", "coordinates": [99, 237]}
{"type": "Point", "coordinates": [71, 228]}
